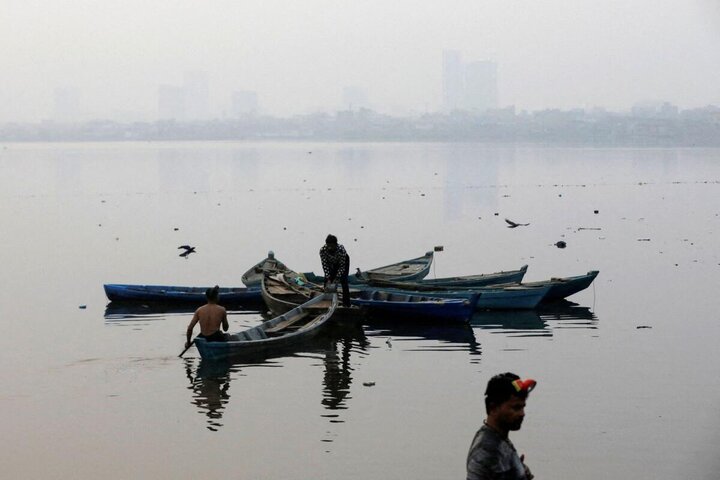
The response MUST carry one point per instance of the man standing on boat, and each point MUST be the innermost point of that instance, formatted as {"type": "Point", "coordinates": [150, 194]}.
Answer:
{"type": "Point", "coordinates": [336, 265]}
{"type": "Point", "coordinates": [492, 456]}
{"type": "Point", "coordinates": [211, 317]}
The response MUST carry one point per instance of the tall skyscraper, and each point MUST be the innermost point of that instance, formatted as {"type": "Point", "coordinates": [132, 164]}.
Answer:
{"type": "Point", "coordinates": [453, 80]}
{"type": "Point", "coordinates": [481, 93]}
{"type": "Point", "coordinates": [468, 86]}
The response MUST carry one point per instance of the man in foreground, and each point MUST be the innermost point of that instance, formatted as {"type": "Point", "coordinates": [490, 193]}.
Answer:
{"type": "Point", "coordinates": [336, 265]}
{"type": "Point", "coordinates": [211, 317]}
{"type": "Point", "coordinates": [492, 456]}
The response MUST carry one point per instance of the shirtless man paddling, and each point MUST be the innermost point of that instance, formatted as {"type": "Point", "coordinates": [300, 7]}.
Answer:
{"type": "Point", "coordinates": [211, 316]}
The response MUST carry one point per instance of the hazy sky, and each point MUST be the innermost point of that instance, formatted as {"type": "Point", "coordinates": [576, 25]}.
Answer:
{"type": "Point", "coordinates": [298, 55]}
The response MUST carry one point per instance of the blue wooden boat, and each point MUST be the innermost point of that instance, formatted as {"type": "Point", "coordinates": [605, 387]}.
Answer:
{"type": "Point", "coordinates": [563, 287]}
{"type": "Point", "coordinates": [283, 292]}
{"type": "Point", "coordinates": [282, 333]}
{"type": "Point", "coordinates": [416, 307]}
{"type": "Point", "coordinates": [406, 270]}
{"type": "Point", "coordinates": [179, 295]}
{"type": "Point", "coordinates": [491, 298]}
{"type": "Point", "coordinates": [468, 281]}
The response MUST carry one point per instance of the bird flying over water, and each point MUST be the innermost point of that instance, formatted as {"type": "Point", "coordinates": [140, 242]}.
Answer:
{"type": "Point", "coordinates": [188, 250]}
{"type": "Point", "coordinates": [512, 224]}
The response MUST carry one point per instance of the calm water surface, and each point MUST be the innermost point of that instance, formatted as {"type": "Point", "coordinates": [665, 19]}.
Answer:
{"type": "Point", "coordinates": [98, 392]}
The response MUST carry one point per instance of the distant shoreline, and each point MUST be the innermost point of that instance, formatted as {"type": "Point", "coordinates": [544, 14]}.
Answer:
{"type": "Point", "coordinates": [689, 128]}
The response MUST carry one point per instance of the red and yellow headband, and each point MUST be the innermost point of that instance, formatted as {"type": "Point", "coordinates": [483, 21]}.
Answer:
{"type": "Point", "coordinates": [524, 385]}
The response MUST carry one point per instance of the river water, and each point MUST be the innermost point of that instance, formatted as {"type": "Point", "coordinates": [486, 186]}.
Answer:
{"type": "Point", "coordinates": [628, 383]}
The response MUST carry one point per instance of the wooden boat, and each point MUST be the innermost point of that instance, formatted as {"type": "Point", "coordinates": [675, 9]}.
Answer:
{"type": "Point", "coordinates": [491, 298]}
{"type": "Point", "coordinates": [563, 287]}
{"type": "Point", "coordinates": [179, 295]}
{"type": "Point", "coordinates": [469, 281]}
{"type": "Point", "coordinates": [280, 296]}
{"type": "Point", "coordinates": [281, 333]}
{"type": "Point", "coordinates": [416, 307]}
{"type": "Point", "coordinates": [254, 275]}
{"type": "Point", "coordinates": [406, 270]}
{"type": "Point", "coordinates": [283, 292]}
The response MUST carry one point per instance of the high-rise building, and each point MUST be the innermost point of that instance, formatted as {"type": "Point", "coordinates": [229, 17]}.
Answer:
{"type": "Point", "coordinates": [453, 80]}
{"type": "Point", "coordinates": [244, 102]}
{"type": "Point", "coordinates": [468, 86]}
{"type": "Point", "coordinates": [481, 92]}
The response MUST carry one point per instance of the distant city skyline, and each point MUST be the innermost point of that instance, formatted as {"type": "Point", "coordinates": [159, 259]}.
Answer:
{"type": "Point", "coordinates": [110, 59]}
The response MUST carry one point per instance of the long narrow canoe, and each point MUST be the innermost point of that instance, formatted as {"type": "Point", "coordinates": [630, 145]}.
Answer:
{"type": "Point", "coordinates": [563, 287]}
{"type": "Point", "coordinates": [559, 288]}
{"type": "Point", "coordinates": [491, 298]}
{"type": "Point", "coordinates": [283, 332]}
{"type": "Point", "coordinates": [469, 281]}
{"type": "Point", "coordinates": [416, 307]}
{"type": "Point", "coordinates": [117, 292]}
{"type": "Point", "coordinates": [406, 270]}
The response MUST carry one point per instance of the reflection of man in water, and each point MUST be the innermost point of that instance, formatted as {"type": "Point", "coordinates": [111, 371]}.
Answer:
{"type": "Point", "coordinates": [210, 387]}
{"type": "Point", "coordinates": [211, 317]}
{"type": "Point", "coordinates": [492, 456]}
{"type": "Point", "coordinates": [336, 265]}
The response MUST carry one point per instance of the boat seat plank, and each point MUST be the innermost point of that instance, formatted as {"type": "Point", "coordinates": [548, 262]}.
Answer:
{"type": "Point", "coordinates": [286, 323]}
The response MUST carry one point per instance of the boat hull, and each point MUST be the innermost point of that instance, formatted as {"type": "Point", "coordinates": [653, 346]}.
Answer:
{"type": "Point", "coordinates": [416, 307]}
{"type": "Point", "coordinates": [407, 270]}
{"type": "Point", "coordinates": [179, 294]}
{"type": "Point", "coordinates": [470, 281]}
{"type": "Point", "coordinates": [257, 341]}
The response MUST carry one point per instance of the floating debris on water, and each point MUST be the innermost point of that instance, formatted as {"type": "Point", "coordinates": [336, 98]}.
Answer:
{"type": "Point", "coordinates": [643, 326]}
{"type": "Point", "coordinates": [82, 307]}
{"type": "Point", "coordinates": [560, 244]}
{"type": "Point", "coordinates": [368, 384]}
{"type": "Point", "coordinates": [596, 212]}
{"type": "Point", "coordinates": [643, 239]}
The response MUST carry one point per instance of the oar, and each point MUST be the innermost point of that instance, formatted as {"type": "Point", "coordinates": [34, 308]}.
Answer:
{"type": "Point", "coordinates": [187, 348]}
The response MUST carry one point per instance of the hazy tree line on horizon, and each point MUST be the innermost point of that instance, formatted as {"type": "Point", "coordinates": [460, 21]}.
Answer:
{"type": "Point", "coordinates": [651, 124]}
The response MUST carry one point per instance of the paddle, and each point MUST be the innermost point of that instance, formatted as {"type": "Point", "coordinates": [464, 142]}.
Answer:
{"type": "Point", "coordinates": [187, 348]}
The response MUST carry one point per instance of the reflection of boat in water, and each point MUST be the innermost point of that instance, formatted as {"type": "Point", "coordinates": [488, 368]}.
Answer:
{"type": "Point", "coordinates": [455, 336]}
{"type": "Point", "coordinates": [563, 314]}
{"type": "Point", "coordinates": [566, 314]}
{"type": "Point", "coordinates": [508, 320]}
{"type": "Point", "coordinates": [210, 380]}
